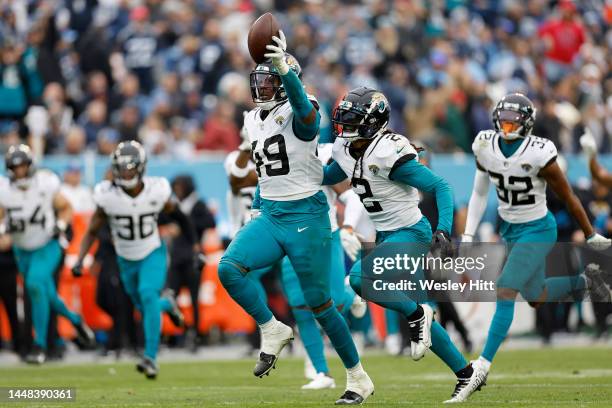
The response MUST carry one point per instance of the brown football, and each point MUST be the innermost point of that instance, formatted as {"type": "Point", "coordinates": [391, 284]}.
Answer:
{"type": "Point", "coordinates": [260, 35]}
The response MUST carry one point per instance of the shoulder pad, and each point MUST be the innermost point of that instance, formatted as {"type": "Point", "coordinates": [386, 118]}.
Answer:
{"type": "Point", "coordinates": [391, 147]}
{"type": "Point", "coordinates": [482, 140]}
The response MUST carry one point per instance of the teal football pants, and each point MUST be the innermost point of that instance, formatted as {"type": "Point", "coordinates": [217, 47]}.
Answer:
{"type": "Point", "coordinates": [307, 244]}
{"type": "Point", "coordinates": [38, 267]}
{"type": "Point", "coordinates": [143, 281]}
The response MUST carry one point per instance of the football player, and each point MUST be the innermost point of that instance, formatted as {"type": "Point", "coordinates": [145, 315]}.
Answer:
{"type": "Point", "coordinates": [243, 179]}
{"type": "Point", "coordinates": [521, 166]}
{"type": "Point", "coordinates": [283, 131]}
{"type": "Point", "coordinates": [131, 204]}
{"type": "Point", "coordinates": [385, 173]}
{"type": "Point", "coordinates": [37, 216]}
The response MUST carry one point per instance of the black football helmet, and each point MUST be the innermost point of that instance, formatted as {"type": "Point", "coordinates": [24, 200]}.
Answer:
{"type": "Point", "coordinates": [266, 86]}
{"type": "Point", "coordinates": [514, 116]}
{"type": "Point", "coordinates": [128, 163]}
{"type": "Point", "coordinates": [362, 114]}
{"type": "Point", "coordinates": [18, 155]}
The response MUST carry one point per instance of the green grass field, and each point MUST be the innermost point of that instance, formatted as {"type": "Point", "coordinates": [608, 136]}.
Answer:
{"type": "Point", "coordinates": [536, 378]}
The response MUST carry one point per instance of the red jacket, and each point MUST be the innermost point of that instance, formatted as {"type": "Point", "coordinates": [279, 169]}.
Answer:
{"type": "Point", "coordinates": [567, 38]}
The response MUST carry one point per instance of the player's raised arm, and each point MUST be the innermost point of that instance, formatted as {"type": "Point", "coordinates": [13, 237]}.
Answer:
{"type": "Point", "coordinates": [558, 183]}
{"type": "Point", "coordinates": [97, 221]}
{"type": "Point", "coordinates": [477, 204]}
{"type": "Point", "coordinates": [306, 116]}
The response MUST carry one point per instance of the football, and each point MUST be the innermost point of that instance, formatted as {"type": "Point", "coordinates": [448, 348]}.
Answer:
{"type": "Point", "coordinates": [260, 35]}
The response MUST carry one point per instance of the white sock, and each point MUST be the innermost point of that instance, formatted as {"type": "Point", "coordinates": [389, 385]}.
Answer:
{"type": "Point", "coordinates": [269, 324]}
{"type": "Point", "coordinates": [485, 363]}
{"type": "Point", "coordinates": [353, 371]}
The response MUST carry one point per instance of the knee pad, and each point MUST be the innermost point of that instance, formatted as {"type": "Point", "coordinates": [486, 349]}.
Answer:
{"type": "Point", "coordinates": [229, 272]}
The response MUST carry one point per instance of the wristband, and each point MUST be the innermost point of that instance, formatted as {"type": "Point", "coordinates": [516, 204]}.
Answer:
{"type": "Point", "coordinates": [240, 172]}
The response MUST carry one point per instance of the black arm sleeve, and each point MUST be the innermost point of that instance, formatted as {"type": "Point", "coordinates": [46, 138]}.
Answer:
{"type": "Point", "coordinates": [202, 218]}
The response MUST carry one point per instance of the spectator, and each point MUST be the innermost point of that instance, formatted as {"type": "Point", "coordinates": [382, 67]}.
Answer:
{"type": "Point", "coordinates": [220, 130]}
{"type": "Point", "coordinates": [93, 120]}
{"type": "Point", "coordinates": [79, 195]}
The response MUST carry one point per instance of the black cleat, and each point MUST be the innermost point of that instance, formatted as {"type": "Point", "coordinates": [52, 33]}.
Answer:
{"type": "Point", "coordinates": [175, 314]}
{"type": "Point", "coordinates": [85, 335]}
{"type": "Point", "coordinates": [266, 363]}
{"type": "Point", "coordinates": [36, 356]}
{"type": "Point", "coordinates": [350, 398]}
{"type": "Point", "coordinates": [148, 367]}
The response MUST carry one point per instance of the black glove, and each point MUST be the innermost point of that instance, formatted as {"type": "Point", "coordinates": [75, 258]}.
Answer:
{"type": "Point", "coordinates": [199, 260]}
{"type": "Point", "coordinates": [441, 241]}
{"type": "Point", "coordinates": [77, 270]}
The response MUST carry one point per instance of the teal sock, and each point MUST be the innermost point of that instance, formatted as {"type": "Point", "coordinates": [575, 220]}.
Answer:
{"type": "Point", "coordinates": [502, 319]}
{"type": "Point", "coordinates": [59, 307]}
{"type": "Point", "coordinates": [40, 311]}
{"type": "Point", "coordinates": [165, 305]}
{"type": "Point", "coordinates": [392, 320]}
{"type": "Point", "coordinates": [338, 332]}
{"type": "Point", "coordinates": [244, 292]}
{"type": "Point", "coordinates": [405, 307]}
{"type": "Point", "coordinates": [559, 288]}
{"type": "Point", "coordinates": [311, 337]}
{"type": "Point", "coordinates": [151, 314]}
{"type": "Point", "coordinates": [444, 348]}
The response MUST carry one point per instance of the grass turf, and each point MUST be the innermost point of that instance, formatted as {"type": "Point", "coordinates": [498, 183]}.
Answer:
{"type": "Point", "coordinates": [534, 378]}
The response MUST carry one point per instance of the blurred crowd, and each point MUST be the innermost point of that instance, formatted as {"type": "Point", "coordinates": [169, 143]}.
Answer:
{"type": "Point", "coordinates": [81, 75]}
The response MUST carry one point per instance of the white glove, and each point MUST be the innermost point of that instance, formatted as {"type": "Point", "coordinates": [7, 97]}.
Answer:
{"type": "Point", "coordinates": [278, 53]}
{"type": "Point", "coordinates": [589, 146]}
{"type": "Point", "coordinates": [350, 242]}
{"type": "Point", "coordinates": [599, 242]}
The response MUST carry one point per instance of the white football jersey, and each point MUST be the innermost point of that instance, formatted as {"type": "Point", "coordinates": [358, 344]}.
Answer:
{"type": "Point", "coordinates": [287, 167]}
{"type": "Point", "coordinates": [133, 220]}
{"type": "Point", "coordinates": [324, 153]}
{"type": "Point", "coordinates": [521, 192]}
{"type": "Point", "coordinates": [239, 205]}
{"type": "Point", "coordinates": [390, 205]}
{"type": "Point", "coordinates": [30, 213]}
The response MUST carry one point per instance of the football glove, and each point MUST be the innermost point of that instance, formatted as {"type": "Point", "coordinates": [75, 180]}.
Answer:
{"type": "Point", "coordinates": [441, 241]}
{"type": "Point", "coordinates": [277, 53]}
{"type": "Point", "coordinates": [598, 242]}
{"type": "Point", "coordinates": [350, 242]}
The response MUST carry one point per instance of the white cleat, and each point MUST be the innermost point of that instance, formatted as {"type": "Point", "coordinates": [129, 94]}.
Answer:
{"type": "Point", "coordinates": [359, 307]}
{"type": "Point", "coordinates": [320, 382]}
{"type": "Point", "coordinates": [467, 386]}
{"type": "Point", "coordinates": [359, 387]}
{"type": "Point", "coordinates": [274, 337]}
{"type": "Point", "coordinates": [420, 333]}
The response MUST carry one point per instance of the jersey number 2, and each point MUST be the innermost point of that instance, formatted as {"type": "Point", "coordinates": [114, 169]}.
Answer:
{"type": "Point", "coordinates": [280, 156]}
{"type": "Point", "coordinates": [504, 195]}
{"type": "Point", "coordinates": [365, 191]}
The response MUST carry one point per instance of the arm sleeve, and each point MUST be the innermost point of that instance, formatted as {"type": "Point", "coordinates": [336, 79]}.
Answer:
{"type": "Point", "coordinates": [478, 202]}
{"type": "Point", "coordinates": [353, 208]}
{"type": "Point", "coordinates": [202, 218]}
{"type": "Point", "coordinates": [305, 126]}
{"type": "Point", "coordinates": [256, 205]}
{"type": "Point", "coordinates": [333, 174]}
{"type": "Point", "coordinates": [417, 175]}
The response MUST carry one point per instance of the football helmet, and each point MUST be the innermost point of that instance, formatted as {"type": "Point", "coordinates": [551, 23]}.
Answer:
{"type": "Point", "coordinates": [128, 163]}
{"type": "Point", "coordinates": [514, 116]}
{"type": "Point", "coordinates": [19, 155]}
{"type": "Point", "coordinates": [363, 113]}
{"type": "Point", "coordinates": [266, 86]}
